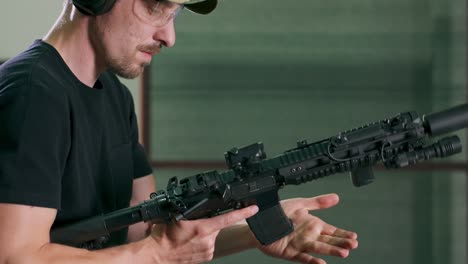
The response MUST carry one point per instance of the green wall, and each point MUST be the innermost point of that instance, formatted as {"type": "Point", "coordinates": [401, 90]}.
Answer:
{"type": "Point", "coordinates": [280, 71]}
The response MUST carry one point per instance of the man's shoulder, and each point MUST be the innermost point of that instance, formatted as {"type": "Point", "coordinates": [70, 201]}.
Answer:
{"type": "Point", "coordinates": [36, 62]}
{"type": "Point", "coordinates": [35, 67]}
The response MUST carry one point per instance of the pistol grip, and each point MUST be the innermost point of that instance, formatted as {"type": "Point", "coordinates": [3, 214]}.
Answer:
{"type": "Point", "coordinates": [270, 223]}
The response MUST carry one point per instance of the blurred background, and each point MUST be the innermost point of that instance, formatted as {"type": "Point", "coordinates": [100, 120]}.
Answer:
{"type": "Point", "coordinates": [282, 71]}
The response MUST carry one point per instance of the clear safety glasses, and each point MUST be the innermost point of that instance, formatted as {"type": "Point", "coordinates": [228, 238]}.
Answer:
{"type": "Point", "coordinates": [156, 12]}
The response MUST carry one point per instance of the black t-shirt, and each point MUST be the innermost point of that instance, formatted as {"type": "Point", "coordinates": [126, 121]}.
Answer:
{"type": "Point", "coordinates": [64, 145]}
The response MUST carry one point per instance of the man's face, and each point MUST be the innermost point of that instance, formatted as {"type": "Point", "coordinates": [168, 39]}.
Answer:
{"type": "Point", "coordinates": [133, 31]}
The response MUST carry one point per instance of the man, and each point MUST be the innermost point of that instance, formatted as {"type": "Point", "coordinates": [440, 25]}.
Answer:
{"type": "Point", "coordinates": [69, 148]}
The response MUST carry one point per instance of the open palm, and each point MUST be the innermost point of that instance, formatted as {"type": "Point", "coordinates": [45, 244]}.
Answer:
{"type": "Point", "coordinates": [311, 234]}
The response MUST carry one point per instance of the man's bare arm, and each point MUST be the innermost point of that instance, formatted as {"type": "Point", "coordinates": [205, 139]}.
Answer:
{"type": "Point", "coordinates": [142, 188]}
{"type": "Point", "coordinates": [24, 238]}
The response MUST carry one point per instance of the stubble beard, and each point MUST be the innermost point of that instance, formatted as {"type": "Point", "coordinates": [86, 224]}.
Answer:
{"type": "Point", "coordinates": [124, 68]}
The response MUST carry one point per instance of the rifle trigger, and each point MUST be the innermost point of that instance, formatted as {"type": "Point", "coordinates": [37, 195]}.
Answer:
{"type": "Point", "coordinates": [179, 217]}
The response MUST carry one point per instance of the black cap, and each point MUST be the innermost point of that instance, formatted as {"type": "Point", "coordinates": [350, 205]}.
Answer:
{"type": "Point", "coordinates": [198, 6]}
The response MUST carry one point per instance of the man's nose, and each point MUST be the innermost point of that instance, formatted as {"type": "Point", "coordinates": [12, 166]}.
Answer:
{"type": "Point", "coordinates": [166, 34]}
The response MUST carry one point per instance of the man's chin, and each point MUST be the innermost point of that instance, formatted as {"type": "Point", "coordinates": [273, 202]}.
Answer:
{"type": "Point", "coordinates": [130, 73]}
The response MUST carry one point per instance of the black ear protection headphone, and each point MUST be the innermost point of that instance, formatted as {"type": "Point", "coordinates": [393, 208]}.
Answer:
{"type": "Point", "coordinates": [99, 7]}
{"type": "Point", "coordinates": [93, 7]}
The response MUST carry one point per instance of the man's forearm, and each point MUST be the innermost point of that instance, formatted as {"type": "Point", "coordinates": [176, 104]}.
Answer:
{"type": "Point", "coordinates": [137, 252]}
{"type": "Point", "coordinates": [234, 239]}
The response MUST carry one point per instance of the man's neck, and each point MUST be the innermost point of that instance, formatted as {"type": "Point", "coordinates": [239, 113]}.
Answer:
{"type": "Point", "coordinates": [70, 37]}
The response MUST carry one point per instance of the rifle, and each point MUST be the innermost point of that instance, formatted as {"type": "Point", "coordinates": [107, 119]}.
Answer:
{"type": "Point", "coordinates": [396, 142]}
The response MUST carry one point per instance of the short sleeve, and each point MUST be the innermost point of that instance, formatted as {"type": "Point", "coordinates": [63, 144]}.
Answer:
{"type": "Point", "coordinates": [34, 142]}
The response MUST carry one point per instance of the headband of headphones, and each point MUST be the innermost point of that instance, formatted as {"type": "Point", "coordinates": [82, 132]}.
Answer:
{"type": "Point", "coordinates": [93, 7]}
{"type": "Point", "coordinates": [99, 7]}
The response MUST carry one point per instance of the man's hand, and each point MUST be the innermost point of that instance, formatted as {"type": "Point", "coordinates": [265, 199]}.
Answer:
{"type": "Point", "coordinates": [193, 241]}
{"type": "Point", "coordinates": [311, 234]}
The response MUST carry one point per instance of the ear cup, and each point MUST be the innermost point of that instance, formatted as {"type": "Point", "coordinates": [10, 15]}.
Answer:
{"type": "Point", "coordinates": [93, 7]}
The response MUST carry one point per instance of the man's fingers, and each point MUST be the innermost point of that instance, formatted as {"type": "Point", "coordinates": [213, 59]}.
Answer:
{"type": "Point", "coordinates": [221, 221]}
{"type": "Point", "coordinates": [346, 243]}
{"type": "Point", "coordinates": [321, 202]}
{"type": "Point", "coordinates": [326, 249]}
{"type": "Point", "coordinates": [344, 233]}
{"type": "Point", "coordinates": [314, 203]}
{"type": "Point", "coordinates": [338, 232]}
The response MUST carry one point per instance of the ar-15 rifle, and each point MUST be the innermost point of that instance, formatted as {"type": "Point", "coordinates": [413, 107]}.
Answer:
{"type": "Point", "coordinates": [253, 179]}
